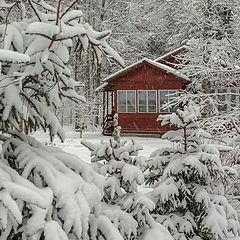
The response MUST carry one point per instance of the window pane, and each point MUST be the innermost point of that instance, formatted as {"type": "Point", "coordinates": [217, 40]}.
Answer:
{"type": "Point", "coordinates": [122, 109]}
{"type": "Point", "coordinates": [130, 98]}
{"type": "Point", "coordinates": [122, 106]}
{"type": "Point", "coordinates": [130, 108]}
{"type": "Point", "coordinates": [131, 101]}
{"type": "Point", "coordinates": [142, 98]}
{"type": "Point", "coordinates": [142, 108]}
{"type": "Point", "coordinates": [163, 99]}
{"type": "Point", "coordinates": [222, 98]}
{"type": "Point", "coordinates": [172, 95]}
{"type": "Point", "coordinates": [121, 97]}
{"type": "Point", "coordinates": [142, 101]}
{"type": "Point", "coordinates": [152, 109]}
{"type": "Point", "coordinates": [152, 104]}
{"type": "Point", "coordinates": [152, 97]}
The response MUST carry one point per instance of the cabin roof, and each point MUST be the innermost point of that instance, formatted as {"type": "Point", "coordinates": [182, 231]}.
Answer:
{"type": "Point", "coordinates": [146, 60]}
{"type": "Point", "coordinates": [169, 54]}
{"type": "Point", "coordinates": [151, 62]}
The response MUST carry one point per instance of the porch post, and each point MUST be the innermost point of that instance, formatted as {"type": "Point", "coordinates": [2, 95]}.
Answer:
{"type": "Point", "coordinates": [107, 103]}
{"type": "Point", "coordinates": [103, 107]}
{"type": "Point", "coordinates": [112, 101]}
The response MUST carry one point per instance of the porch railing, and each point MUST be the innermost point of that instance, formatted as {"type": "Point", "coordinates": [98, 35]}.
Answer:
{"type": "Point", "coordinates": [107, 124]}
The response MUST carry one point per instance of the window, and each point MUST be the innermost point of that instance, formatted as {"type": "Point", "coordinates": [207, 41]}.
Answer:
{"type": "Point", "coordinates": [126, 101]}
{"type": "Point", "coordinates": [147, 101]}
{"type": "Point", "coordinates": [166, 96]}
{"type": "Point", "coordinates": [226, 98]}
{"type": "Point", "coordinates": [222, 107]}
{"type": "Point", "coordinates": [233, 98]}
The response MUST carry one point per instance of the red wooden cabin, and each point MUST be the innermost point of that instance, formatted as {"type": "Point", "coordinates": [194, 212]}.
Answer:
{"type": "Point", "coordinates": [137, 93]}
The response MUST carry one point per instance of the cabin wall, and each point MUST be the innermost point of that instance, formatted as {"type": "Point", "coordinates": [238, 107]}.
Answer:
{"type": "Point", "coordinates": [144, 78]}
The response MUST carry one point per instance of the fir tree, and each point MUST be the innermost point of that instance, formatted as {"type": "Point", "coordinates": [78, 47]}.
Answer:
{"type": "Point", "coordinates": [49, 194]}
{"type": "Point", "coordinates": [188, 182]}
{"type": "Point", "coordinates": [129, 209]}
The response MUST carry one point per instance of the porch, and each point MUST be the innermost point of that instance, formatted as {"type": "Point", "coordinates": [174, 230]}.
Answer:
{"type": "Point", "coordinates": [108, 111]}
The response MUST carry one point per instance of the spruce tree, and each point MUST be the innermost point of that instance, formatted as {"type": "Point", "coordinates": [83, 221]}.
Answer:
{"type": "Point", "coordinates": [188, 182]}
{"type": "Point", "coordinates": [118, 161]}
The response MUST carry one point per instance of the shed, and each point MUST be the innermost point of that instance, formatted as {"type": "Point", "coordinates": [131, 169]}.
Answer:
{"type": "Point", "coordinates": [137, 94]}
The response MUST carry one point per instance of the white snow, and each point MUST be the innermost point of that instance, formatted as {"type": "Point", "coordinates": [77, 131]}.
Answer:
{"type": "Point", "coordinates": [72, 15]}
{"type": "Point", "coordinates": [42, 28]}
{"type": "Point", "coordinates": [158, 232]}
{"type": "Point", "coordinates": [72, 142]}
{"type": "Point", "coordinates": [14, 57]}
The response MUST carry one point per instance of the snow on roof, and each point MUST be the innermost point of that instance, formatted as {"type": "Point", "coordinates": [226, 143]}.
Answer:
{"type": "Point", "coordinates": [156, 64]}
{"type": "Point", "coordinates": [170, 53]}
{"type": "Point", "coordinates": [124, 69]}
{"type": "Point", "coordinates": [101, 87]}
{"type": "Point", "coordinates": [168, 69]}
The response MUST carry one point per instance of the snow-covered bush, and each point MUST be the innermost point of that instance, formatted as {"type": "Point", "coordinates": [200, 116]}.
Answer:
{"type": "Point", "coordinates": [125, 206]}
{"type": "Point", "coordinates": [188, 182]}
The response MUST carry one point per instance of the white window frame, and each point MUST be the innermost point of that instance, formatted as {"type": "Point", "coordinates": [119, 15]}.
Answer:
{"type": "Point", "coordinates": [126, 100]}
{"type": "Point", "coordinates": [147, 100]}
{"type": "Point", "coordinates": [159, 98]}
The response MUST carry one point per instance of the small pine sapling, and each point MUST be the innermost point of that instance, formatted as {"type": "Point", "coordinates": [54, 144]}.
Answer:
{"type": "Point", "coordinates": [187, 182]}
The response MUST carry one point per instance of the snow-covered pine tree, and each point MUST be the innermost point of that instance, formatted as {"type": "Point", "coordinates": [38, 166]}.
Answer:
{"type": "Point", "coordinates": [123, 203]}
{"type": "Point", "coordinates": [34, 56]}
{"type": "Point", "coordinates": [49, 194]}
{"type": "Point", "coordinates": [44, 192]}
{"type": "Point", "coordinates": [188, 182]}
{"type": "Point", "coordinates": [233, 159]}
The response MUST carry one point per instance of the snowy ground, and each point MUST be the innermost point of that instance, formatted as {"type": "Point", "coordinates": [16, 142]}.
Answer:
{"type": "Point", "coordinates": [72, 143]}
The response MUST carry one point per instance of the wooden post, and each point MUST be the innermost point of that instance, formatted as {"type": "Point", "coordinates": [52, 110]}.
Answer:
{"type": "Point", "coordinates": [107, 103]}
{"type": "Point", "coordinates": [112, 101]}
{"type": "Point", "coordinates": [103, 106]}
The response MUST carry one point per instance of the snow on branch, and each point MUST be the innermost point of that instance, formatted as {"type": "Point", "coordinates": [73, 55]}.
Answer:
{"type": "Point", "coordinates": [60, 190]}
{"type": "Point", "coordinates": [13, 57]}
{"type": "Point", "coordinates": [42, 43]}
